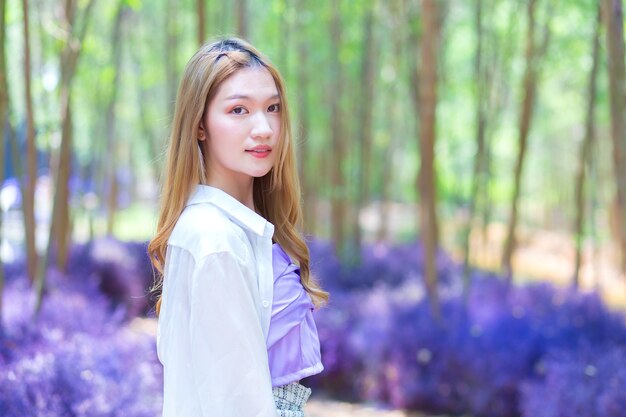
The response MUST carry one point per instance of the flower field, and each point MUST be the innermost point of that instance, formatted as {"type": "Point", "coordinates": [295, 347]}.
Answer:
{"type": "Point", "coordinates": [533, 350]}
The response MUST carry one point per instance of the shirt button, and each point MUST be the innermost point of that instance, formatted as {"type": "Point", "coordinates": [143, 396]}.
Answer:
{"type": "Point", "coordinates": [266, 303]}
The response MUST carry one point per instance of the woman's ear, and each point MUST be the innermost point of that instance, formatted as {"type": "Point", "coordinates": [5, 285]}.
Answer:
{"type": "Point", "coordinates": [201, 132]}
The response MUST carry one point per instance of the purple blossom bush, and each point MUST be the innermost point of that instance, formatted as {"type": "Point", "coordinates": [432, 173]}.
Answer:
{"type": "Point", "coordinates": [121, 270]}
{"type": "Point", "coordinates": [380, 262]}
{"type": "Point", "coordinates": [586, 382]}
{"type": "Point", "coordinates": [381, 343]}
{"type": "Point", "coordinates": [76, 358]}
{"type": "Point", "coordinates": [499, 351]}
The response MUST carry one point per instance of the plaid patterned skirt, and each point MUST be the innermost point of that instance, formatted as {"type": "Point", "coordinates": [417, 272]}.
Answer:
{"type": "Point", "coordinates": [290, 399]}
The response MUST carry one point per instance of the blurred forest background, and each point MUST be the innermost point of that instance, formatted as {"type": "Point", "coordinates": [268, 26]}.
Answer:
{"type": "Point", "coordinates": [505, 109]}
{"type": "Point", "coordinates": [492, 131]}
{"type": "Point", "coordinates": [502, 108]}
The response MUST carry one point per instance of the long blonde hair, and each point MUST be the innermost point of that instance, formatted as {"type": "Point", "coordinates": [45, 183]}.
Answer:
{"type": "Point", "coordinates": [276, 195]}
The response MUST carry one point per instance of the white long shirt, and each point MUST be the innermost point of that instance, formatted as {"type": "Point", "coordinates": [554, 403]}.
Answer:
{"type": "Point", "coordinates": [216, 309]}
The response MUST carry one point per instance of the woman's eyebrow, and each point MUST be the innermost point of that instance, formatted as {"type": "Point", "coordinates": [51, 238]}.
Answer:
{"type": "Point", "coordinates": [245, 97]}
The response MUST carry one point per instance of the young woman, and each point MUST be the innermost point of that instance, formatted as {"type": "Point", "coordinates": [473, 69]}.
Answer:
{"type": "Point", "coordinates": [235, 330]}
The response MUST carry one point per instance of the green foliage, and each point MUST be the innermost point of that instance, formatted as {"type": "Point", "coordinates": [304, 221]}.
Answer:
{"type": "Point", "coordinates": [279, 27]}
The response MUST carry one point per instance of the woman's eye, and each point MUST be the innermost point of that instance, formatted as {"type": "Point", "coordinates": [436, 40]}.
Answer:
{"type": "Point", "coordinates": [274, 108]}
{"type": "Point", "coordinates": [238, 110]}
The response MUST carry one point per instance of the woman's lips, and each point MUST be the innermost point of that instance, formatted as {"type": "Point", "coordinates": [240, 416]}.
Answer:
{"type": "Point", "coordinates": [260, 151]}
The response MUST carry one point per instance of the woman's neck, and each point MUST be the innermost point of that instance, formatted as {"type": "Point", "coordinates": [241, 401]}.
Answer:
{"type": "Point", "coordinates": [240, 190]}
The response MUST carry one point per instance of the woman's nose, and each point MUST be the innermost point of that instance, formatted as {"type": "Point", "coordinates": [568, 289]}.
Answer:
{"type": "Point", "coordinates": [261, 128]}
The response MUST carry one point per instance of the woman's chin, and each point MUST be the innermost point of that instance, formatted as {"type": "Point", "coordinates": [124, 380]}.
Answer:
{"type": "Point", "coordinates": [258, 173]}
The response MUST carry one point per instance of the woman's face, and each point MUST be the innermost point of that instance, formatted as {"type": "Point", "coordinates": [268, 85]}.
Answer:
{"type": "Point", "coordinates": [242, 125]}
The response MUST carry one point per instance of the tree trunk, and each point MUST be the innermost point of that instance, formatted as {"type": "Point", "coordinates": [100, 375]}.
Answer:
{"type": "Point", "coordinates": [286, 31]}
{"type": "Point", "coordinates": [394, 127]}
{"type": "Point", "coordinates": [413, 57]}
{"type": "Point", "coordinates": [485, 70]}
{"type": "Point", "coordinates": [153, 142]}
{"type": "Point", "coordinates": [413, 54]}
{"type": "Point", "coordinates": [31, 157]}
{"type": "Point", "coordinates": [241, 12]}
{"type": "Point", "coordinates": [500, 63]}
{"type": "Point", "coordinates": [594, 203]}
{"type": "Point", "coordinates": [153, 145]}
{"type": "Point", "coordinates": [71, 54]}
{"type": "Point", "coordinates": [201, 15]}
{"type": "Point", "coordinates": [338, 190]}
{"type": "Point", "coordinates": [428, 119]}
{"type": "Point", "coordinates": [45, 43]}
{"type": "Point", "coordinates": [534, 53]}
{"type": "Point", "coordinates": [586, 149]}
{"type": "Point", "coordinates": [111, 119]}
{"type": "Point", "coordinates": [617, 85]}
{"type": "Point", "coordinates": [394, 121]}
{"type": "Point", "coordinates": [481, 121]}
{"type": "Point", "coordinates": [16, 153]}
{"type": "Point", "coordinates": [60, 219]}
{"type": "Point", "coordinates": [4, 106]}
{"type": "Point", "coordinates": [365, 125]}
{"type": "Point", "coordinates": [171, 48]}
{"type": "Point", "coordinates": [302, 139]}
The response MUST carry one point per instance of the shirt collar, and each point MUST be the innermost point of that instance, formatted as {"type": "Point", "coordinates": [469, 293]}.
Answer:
{"type": "Point", "coordinates": [233, 208]}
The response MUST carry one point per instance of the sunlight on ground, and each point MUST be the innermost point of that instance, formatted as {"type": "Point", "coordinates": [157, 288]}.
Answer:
{"type": "Point", "coordinates": [541, 255]}
{"type": "Point", "coordinates": [330, 408]}
{"type": "Point", "coordinates": [544, 255]}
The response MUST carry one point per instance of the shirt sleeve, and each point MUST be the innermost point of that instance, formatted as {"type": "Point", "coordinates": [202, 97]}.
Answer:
{"type": "Point", "coordinates": [229, 356]}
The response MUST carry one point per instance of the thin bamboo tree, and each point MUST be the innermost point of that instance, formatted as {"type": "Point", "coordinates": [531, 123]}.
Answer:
{"type": "Point", "coordinates": [30, 178]}
{"type": "Point", "coordinates": [489, 66]}
{"type": "Point", "coordinates": [4, 119]}
{"type": "Point", "coordinates": [427, 135]}
{"type": "Point", "coordinates": [502, 48]}
{"type": "Point", "coordinates": [111, 119]}
{"type": "Point", "coordinates": [395, 14]}
{"type": "Point", "coordinates": [365, 126]}
{"type": "Point", "coordinates": [614, 20]}
{"type": "Point", "coordinates": [338, 185]}
{"type": "Point", "coordinates": [302, 102]}
{"type": "Point", "coordinates": [201, 16]}
{"type": "Point", "coordinates": [171, 53]}
{"type": "Point", "coordinates": [285, 24]}
{"type": "Point", "coordinates": [586, 150]}
{"type": "Point", "coordinates": [535, 50]}
{"type": "Point", "coordinates": [152, 141]}
{"type": "Point", "coordinates": [413, 54]}
{"type": "Point", "coordinates": [241, 15]}
{"type": "Point", "coordinates": [59, 234]}
{"type": "Point", "coordinates": [481, 85]}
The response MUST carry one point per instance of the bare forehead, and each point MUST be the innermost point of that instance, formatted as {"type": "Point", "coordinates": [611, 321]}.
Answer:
{"type": "Point", "coordinates": [255, 83]}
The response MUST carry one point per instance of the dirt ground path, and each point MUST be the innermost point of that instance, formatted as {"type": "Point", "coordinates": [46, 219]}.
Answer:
{"type": "Point", "coordinates": [316, 407]}
{"type": "Point", "coordinates": [329, 408]}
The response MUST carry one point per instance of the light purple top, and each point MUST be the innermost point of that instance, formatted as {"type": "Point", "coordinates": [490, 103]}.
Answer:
{"type": "Point", "coordinates": [293, 345]}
